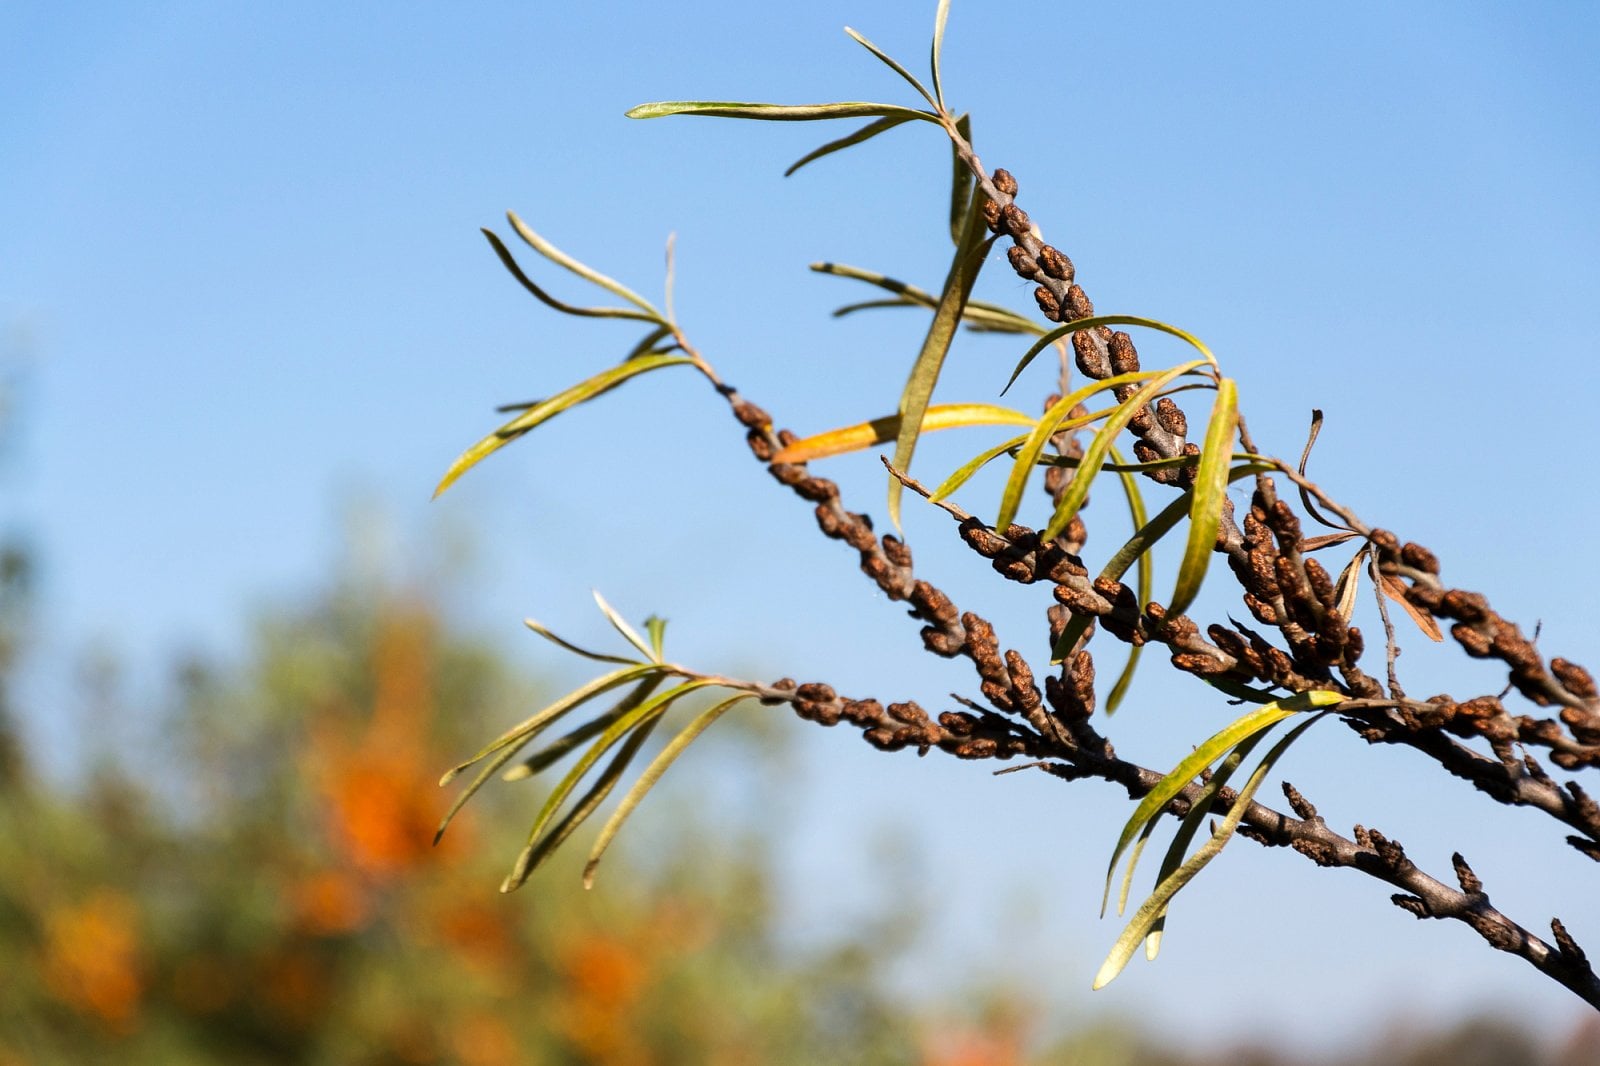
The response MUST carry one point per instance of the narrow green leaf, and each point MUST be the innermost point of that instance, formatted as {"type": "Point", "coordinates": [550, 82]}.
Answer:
{"type": "Point", "coordinates": [524, 731]}
{"type": "Point", "coordinates": [882, 281]}
{"type": "Point", "coordinates": [510, 743]}
{"type": "Point", "coordinates": [1053, 422]}
{"type": "Point", "coordinates": [1208, 497]}
{"type": "Point", "coordinates": [978, 313]}
{"type": "Point", "coordinates": [978, 318]}
{"type": "Point", "coordinates": [1240, 691]}
{"type": "Point", "coordinates": [510, 263]}
{"type": "Point", "coordinates": [1144, 586]}
{"type": "Point", "coordinates": [479, 780]}
{"type": "Point", "coordinates": [964, 267]}
{"type": "Point", "coordinates": [535, 853]}
{"type": "Point", "coordinates": [582, 392]}
{"type": "Point", "coordinates": [1198, 813]}
{"type": "Point", "coordinates": [965, 472]}
{"type": "Point", "coordinates": [1138, 546]}
{"type": "Point", "coordinates": [865, 133]}
{"type": "Point", "coordinates": [1210, 751]}
{"type": "Point", "coordinates": [569, 646]}
{"type": "Point", "coordinates": [1104, 320]}
{"type": "Point", "coordinates": [652, 773]}
{"type": "Point", "coordinates": [657, 628]}
{"type": "Point", "coordinates": [889, 62]}
{"type": "Point", "coordinates": [647, 346]}
{"type": "Point", "coordinates": [563, 746]}
{"type": "Point", "coordinates": [939, 18]}
{"type": "Point", "coordinates": [1077, 491]}
{"type": "Point", "coordinates": [1177, 462]}
{"type": "Point", "coordinates": [961, 180]}
{"type": "Point", "coordinates": [650, 709]}
{"type": "Point", "coordinates": [1169, 516]}
{"type": "Point", "coordinates": [776, 112]}
{"type": "Point", "coordinates": [1153, 908]}
{"type": "Point", "coordinates": [588, 273]}
{"type": "Point", "coordinates": [879, 430]}
{"type": "Point", "coordinates": [1133, 860]}
{"type": "Point", "coordinates": [629, 634]}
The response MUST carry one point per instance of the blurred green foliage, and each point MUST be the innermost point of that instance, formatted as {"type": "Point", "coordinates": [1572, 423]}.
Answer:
{"type": "Point", "coordinates": [260, 887]}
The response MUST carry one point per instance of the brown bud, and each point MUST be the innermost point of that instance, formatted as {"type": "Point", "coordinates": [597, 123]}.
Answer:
{"type": "Point", "coordinates": [1055, 264]}
{"type": "Point", "coordinates": [991, 215]}
{"type": "Point", "coordinates": [1004, 182]}
{"type": "Point", "coordinates": [751, 415]}
{"type": "Point", "coordinates": [1415, 555]}
{"type": "Point", "coordinates": [1021, 261]}
{"type": "Point", "coordinates": [1016, 221]}
{"type": "Point", "coordinates": [1047, 304]}
{"type": "Point", "coordinates": [1078, 305]}
{"type": "Point", "coordinates": [1090, 359]}
{"type": "Point", "coordinates": [1171, 417]}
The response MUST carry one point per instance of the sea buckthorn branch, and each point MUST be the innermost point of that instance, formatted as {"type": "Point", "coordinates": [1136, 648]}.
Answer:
{"type": "Point", "coordinates": [1291, 591]}
{"type": "Point", "coordinates": [983, 735]}
{"type": "Point", "coordinates": [1312, 661]}
{"type": "Point", "coordinates": [1083, 753]}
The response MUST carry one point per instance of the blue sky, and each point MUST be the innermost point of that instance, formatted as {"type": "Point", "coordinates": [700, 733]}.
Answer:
{"type": "Point", "coordinates": [239, 263]}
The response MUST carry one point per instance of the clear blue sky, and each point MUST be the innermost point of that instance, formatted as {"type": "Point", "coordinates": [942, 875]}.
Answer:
{"type": "Point", "coordinates": [238, 253]}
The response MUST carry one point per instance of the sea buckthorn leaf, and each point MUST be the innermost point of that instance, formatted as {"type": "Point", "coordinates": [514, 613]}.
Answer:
{"type": "Point", "coordinates": [1246, 725]}
{"type": "Point", "coordinates": [565, 308]}
{"type": "Point", "coordinates": [526, 730]}
{"type": "Point", "coordinates": [1140, 544]}
{"type": "Point", "coordinates": [893, 65]}
{"type": "Point", "coordinates": [865, 133]}
{"type": "Point", "coordinates": [645, 714]}
{"type": "Point", "coordinates": [629, 634]}
{"type": "Point", "coordinates": [1179, 848]}
{"type": "Point", "coordinates": [776, 112]}
{"type": "Point", "coordinates": [964, 267]}
{"type": "Point", "coordinates": [1077, 491]}
{"type": "Point", "coordinates": [1096, 321]}
{"type": "Point", "coordinates": [1054, 421]}
{"type": "Point", "coordinates": [965, 471]}
{"type": "Point", "coordinates": [588, 273]}
{"type": "Point", "coordinates": [1208, 497]}
{"type": "Point", "coordinates": [652, 773]}
{"type": "Point", "coordinates": [961, 179]}
{"type": "Point", "coordinates": [562, 642]}
{"type": "Point", "coordinates": [1152, 909]}
{"type": "Point", "coordinates": [582, 392]}
{"type": "Point", "coordinates": [879, 430]}
{"type": "Point", "coordinates": [558, 749]}
{"type": "Point", "coordinates": [536, 852]}
{"type": "Point", "coordinates": [657, 628]}
{"type": "Point", "coordinates": [1145, 584]}
{"type": "Point", "coordinates": [505, 747]}
{"type": "Point", "coordinates": [940, 17]}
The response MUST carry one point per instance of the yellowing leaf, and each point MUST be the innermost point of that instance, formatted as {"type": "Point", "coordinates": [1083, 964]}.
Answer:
{"type": "Point", "coordinates": [882, 430]}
